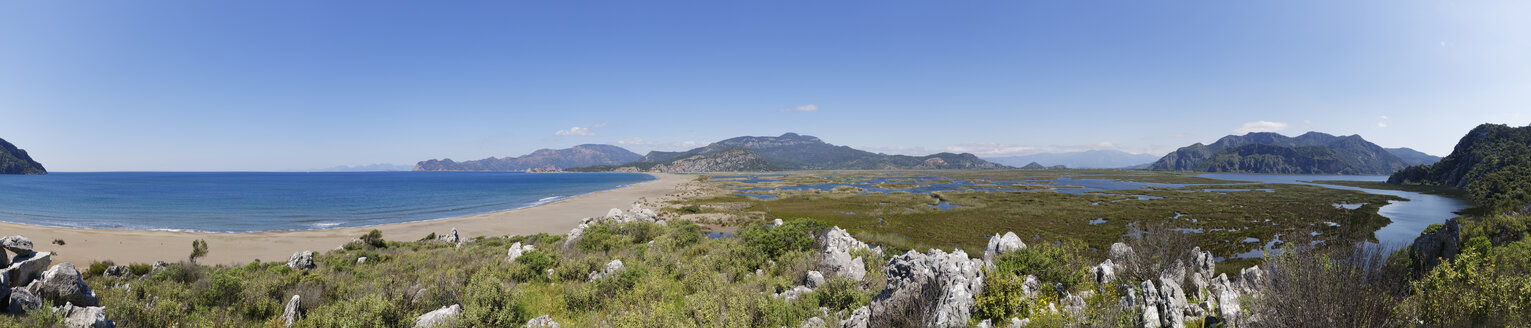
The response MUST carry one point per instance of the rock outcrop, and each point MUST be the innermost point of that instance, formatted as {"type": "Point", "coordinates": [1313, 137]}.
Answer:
{"type": "Point", "coordinates": [63, 284]}
{"type": "Point", "coordinates": [443, 317]}
{"type": "Point", "coordinates": [516, 250]}
{"type": "Point", "coordinates": [25, 269]}
{"type": "Point", "coordinates": [615, 215]}
{"type": "Point", "coordinates": [19, 245]}
{"type": "Point", "coordinates": [612, 269]}
{"type": "Point", "coordinates": [542, 322]}
{"type": "Point", "coordinates": [450, 237]}
{"type": "Point", "coordinates": [999, 245]}
{"type": "Point", "coordinates": [85, 316]}
{"type": "Point", "coordinates": [22, 301]}
{"type": "Point", "coordinates": [939, 286]}
{"type": "Point", "coordinates": [291, 313]}
{"type": "Point", "coordinates": [838, 245]}
{"type": "Point", "coordinates": [1436, 247]}
{"type": "Point", "coordinates": [303, 260]}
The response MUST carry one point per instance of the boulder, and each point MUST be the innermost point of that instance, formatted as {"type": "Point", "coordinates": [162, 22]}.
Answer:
{"type": "Point", "coordinates": [1204, 263]}
{"type": "Point", "coordinates": [542, 322]}
{"type": "Point", "coordinates": [1227, 297]}
{"type": "Point", "coordinates": [1175, 272]}
{"type": "Point", "coordinates": [361, 260]}
{"type": "Point", "coordinates": [291, 313]}
{"type": "Point", "coordinates": [1251, 280]}
{"type": "Point", "coordinates": [159, 265]}
{"type": "Point", "coordinates": [22, 301]}
{"type": "Point", "coordinates": [1074, 305]}
{"type": "Point", "coordinates": [999, 245]}
{"type": "Point", "coordinates": [1121, 254]}
{"type": "Point", "coordinates": [26, 269]}
{"type": "Point", "coordinates": [63, 284]}
{"type": "Point", "coordinates": [85, 316]}
{"type": "Point", "coordinates": [1031, 286]}
{"type": "Point", "coordinates": [612, 268]}
{"type": "Point", "coordinates": [19, 245]}
{"type": "Point", "coordinates": [794, 293]}
{"type": "Point", "coordinates": [1431, 248]}
{"type": "Point", "coordinates": [516, 250]}
{"type": "Point", "coordinates": [860, 318]}
{"type": "Point", "coordinates": [815, 279]}
{"type": "Point", "coordinates": [1019, 323]}
{"type": "Point", "coordinates": [776, 223]}
{"type": "Point", "coordinates": [939, 285]}
{"type": "Point", "coordinates": [838, 245]}
{"type": "Point", "coordinates": [302, 260]}
{"type": "Point", "coordinates": [1172, 304]}
{"type": "Point", "coordinates": [450, 237]}
{"type": "Point", "coordinates": [117, 271]}
{"type": "Point", "coordinates": [1104, 273]}
{"type": "Point", "coordinates": [1150, 305]}
{"type": "Point", "coordinates": [615, 214]}
{"type": "Point", "coordinates": [814, 322]}
{"type": "Point", "coordinates": [443, 317]}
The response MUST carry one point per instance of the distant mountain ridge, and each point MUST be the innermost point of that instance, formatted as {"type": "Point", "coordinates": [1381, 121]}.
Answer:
{"type": "Point", "coordinates": [1090, 159]}
{"type": "Point", "coordinates": [542, 159]}
{"type": "Point", "coordinates": [1413, 157]}
{"type": "Point", "coordinates": [16, 161]}
{"type": "Point", "coordinates": [790, 151]}
{"type": "Point", "coordinates": [1266, 152]}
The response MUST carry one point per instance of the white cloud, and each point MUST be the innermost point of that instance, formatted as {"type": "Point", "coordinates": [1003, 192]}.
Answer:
{"type": "Point", "coordinates": [1381, 124]}
{"type": "Point", "coordinates": [803, 108]}
{"type": "Point", "coordinates": [575, 131]}
{"type": "Point", "coordinates": [632, 141]}
{"type": "Point", "coordinates": [1260, 126]}
{"type": "Point", "coordinates": [1384, 117]}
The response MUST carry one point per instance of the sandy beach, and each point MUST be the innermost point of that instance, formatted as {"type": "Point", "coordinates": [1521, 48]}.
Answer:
{"type": "Point", "coordinates": [82, 246]}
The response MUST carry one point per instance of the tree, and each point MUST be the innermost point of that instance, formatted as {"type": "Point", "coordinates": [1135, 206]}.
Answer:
{"type": "Point", "coordinates": [198, 250]}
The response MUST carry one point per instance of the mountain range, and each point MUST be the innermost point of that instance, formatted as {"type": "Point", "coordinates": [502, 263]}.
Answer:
{"type": "Point", "coordinates": [790, 151]}
{"type": "Point", "coordinates": [1310, 153]}
{"type": "Point", "coordinates": [1090, 159]}
{"type": "Point", "coordinates": [542, 159]}
{"type": "Point", "coordinates": [16, 161]}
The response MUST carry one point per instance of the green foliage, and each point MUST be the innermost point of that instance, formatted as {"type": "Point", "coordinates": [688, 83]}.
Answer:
{"type": "Point", "coordinates": [491, 302]}
{"type": "Point", "coordinates": [689, 209]}
{"type": "Point", "coordinates": [1003, 297]}
{"type": "Point", "coordinates": [221, 290]}
{"type": "Point", "coordinates": [841, 294]}
{"type": "Point", "coordinates": [97, 268]}
{"type": "Point", "coordinates": [374, 238]}
{"type": "Point", "coordinates": [795, 235]}
{"type": "Point", "coordinates": [1482, 286]}
{"type": "Point", "coordinates": [1063, 263]}
{"type": "Point", "coordinates": [532, 266]}
{"type": "Point", "coordinates": [139, 269]}
{"type": "Point", "coordinates": [1492, 163]}
{"type": "Point", "coordinates": [198, 250]}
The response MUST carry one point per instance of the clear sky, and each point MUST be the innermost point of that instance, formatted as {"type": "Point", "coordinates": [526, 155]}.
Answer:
{"type": "Point", "coordinates": [283, 85]}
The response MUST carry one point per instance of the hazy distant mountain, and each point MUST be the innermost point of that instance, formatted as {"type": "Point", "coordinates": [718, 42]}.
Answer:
{"type": "Point", "coordinates": [16, 161]}
{"type": "Point", "coordinates": [1265, 152]}
{"type": "Point", "coordinates": [791, 151]}
{"type": "Point", "coordinates": [367, 168]}
{"type": "Point", "coordinates": [1090, 159]}
{"type": "Point", "coordinates": [1413, 157]}
{"type": "Point", "coordinates": [543, 159]}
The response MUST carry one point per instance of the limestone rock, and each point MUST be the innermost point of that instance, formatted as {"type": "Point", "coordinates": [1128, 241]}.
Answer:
{"type": "Point", "coordinates": [1031, 286]}
{"type": "Point", "coordinates": [85, 317]}
{"type": "Point", "coordinates": [542, 322]}
{"type": "Point", "coordinates": [794, 293]}
{"type": "Point", "coordinates": [19, 245]}
{"type": "Point", "coordinates": [815, 279]}
{"type": "Point", "coordinates": [450, 237]}
{"type": "Point", "coordinates": [1074, 305]}
{"type": "Point", "coordinates": [1122, 254]}
{"type": "Point", "coordinates": [22, 301]}
{"type": "Point", "coordinates": [942, 283]}
{"type": "Point", "coordinates": [1251, 280]}
{"type": "Point", "coordinates": [838, 245]}
{"type": "Point", "coordinates": [291, 313]}
{"type": "Point", "coordinates": [1172, 304]}
{"type": "Point", "coordinates": [26, 269]}
{"type": "Point", "coordinates": [1175, 272]}
{"type": "Point", "coordinates": [776, 223]}
{"type": "Point", "coordinates": [517, 249]}
{"type": "Point", "coordinates": [117, 271]}
{"type": "Point", "coordinates": [302, 260]}
{"type": "Point", "coordinates": [612, 268]}
{"type": "Point", "coordinates": [1104, 273]}
{"type": "Point", "coordinates": [1227, 297]}
{"type": "Point", "coordinates": [441, 317]}
{"type": "Point", "coordinates": [1431, 248]}
{"type": "Point", "coordinates": [860, 318]}
{"type": "Point", "coordinates": [62, 284]}
{"type": "Point", "coordinates": [999, 245]}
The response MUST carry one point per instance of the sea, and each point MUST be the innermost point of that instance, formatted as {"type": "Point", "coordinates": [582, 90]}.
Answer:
{"type": "Point", "coordinates": [235, 202]}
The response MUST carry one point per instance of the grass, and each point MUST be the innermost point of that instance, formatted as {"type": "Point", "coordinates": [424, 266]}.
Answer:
{"type": "Point", "coordinates": [905, 221]}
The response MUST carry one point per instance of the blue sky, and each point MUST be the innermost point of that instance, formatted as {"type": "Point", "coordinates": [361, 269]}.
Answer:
{"type": "Point", "coordinates": [283, 85]}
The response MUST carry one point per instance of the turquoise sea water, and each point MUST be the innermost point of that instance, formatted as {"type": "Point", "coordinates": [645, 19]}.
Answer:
{"type": "Point", "coordinates": [264, 201]}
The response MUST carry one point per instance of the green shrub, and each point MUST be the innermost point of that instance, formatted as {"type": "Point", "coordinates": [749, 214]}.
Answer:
{"type": "Point", "coordinates": [795, 235]}
{"type": "Point", "coordinates": [374, 238]}
{"type": "Point", "coordinates": [96, 269]}
{"type": "Point", "coordinates": [1003, 297]}
{"type": "Point", "coordinates": [533, 266]}
{"type": "Point", "coordinates": [490, 302]}
{"type": "Point", "coordinates": [140, 269]}
{"type": "Point", "coordinates": [841, 294]}
{"type": "Point", "coordinates": [221, 289]}
{"type": "Point", "coordinates": [1062, 263]}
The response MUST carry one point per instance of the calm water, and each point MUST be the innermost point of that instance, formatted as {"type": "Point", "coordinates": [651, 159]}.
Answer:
{"type": "Point", "coordinates": [260, 201]}
{"type": "Point", "coordinates": [1409, 217]}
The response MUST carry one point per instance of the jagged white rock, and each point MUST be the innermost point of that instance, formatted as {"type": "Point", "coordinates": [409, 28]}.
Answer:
{"type": "Point", "coordinates": [441, 317]}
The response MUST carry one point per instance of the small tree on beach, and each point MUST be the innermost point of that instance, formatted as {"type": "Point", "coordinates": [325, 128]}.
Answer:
{"type": "Point", "coordinates": [198, 250]}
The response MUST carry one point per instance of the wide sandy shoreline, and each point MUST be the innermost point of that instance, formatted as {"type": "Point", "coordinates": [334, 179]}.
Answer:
{"type": "Point", "coordinates": [82, 246]}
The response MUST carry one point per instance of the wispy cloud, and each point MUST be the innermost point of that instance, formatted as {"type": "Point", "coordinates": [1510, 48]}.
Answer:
{"type": "Point", "coordinates": [635, 141]}
{"type": "Point", "coordinates": [575, 131]}
{"type": "Point", "coordinates": [1260, 126]}
{"type": "Point", "coordinates": [803, 108]}
{"type": "Point", "coordinates": [1383, 122]}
